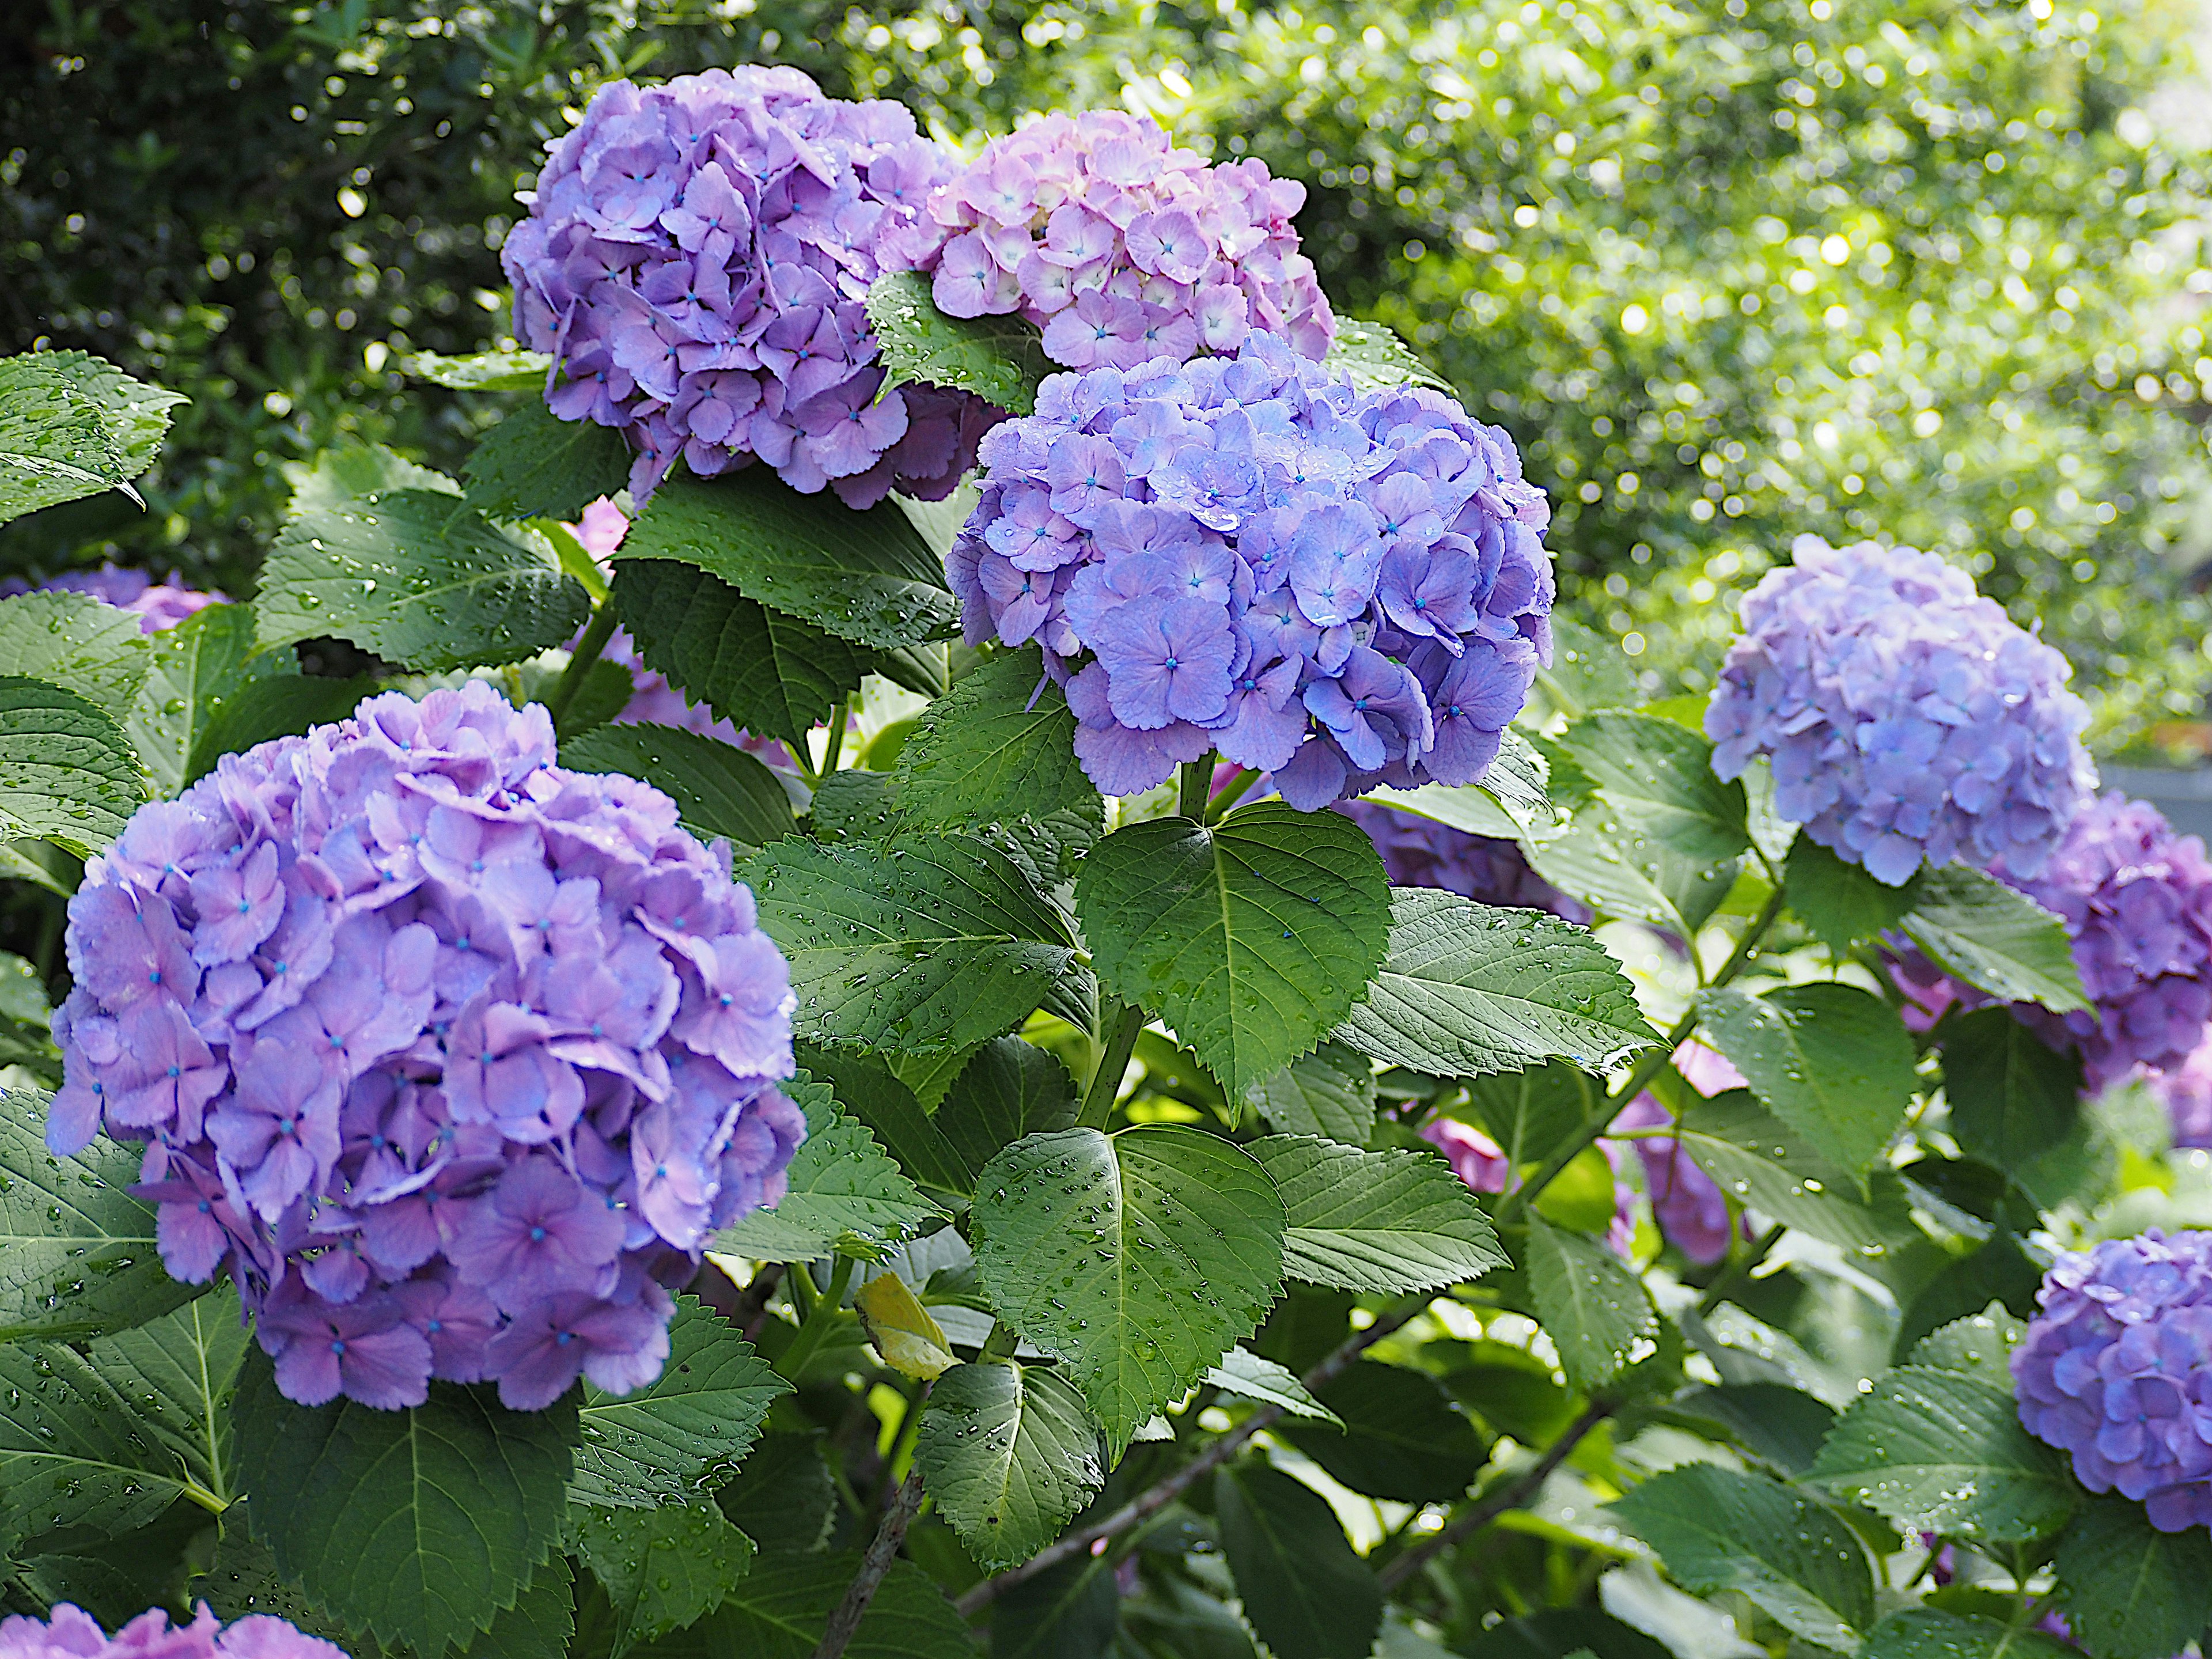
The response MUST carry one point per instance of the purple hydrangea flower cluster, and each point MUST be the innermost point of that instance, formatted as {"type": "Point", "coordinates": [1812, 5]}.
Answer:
{"type": "Point", "coordinates": [1907, 717]}
{"type": "Point", "coordinates": [2116, 1370]}
{"type": "Point", "coordinates": [1341, 588]}
{"type": "Point", "coordinates": [2186, 1092]}
{"type": "Point", "coordinates": [71, 1634]}
{"type": "Point", "coordinates": [695, 259]}
{"type": "Point", "coordinates": [2136, 900]}
{"type": "Point", "coordinates": [1418, 852]}
{"type": "Point", "coordinates": [1121, 246]}
{"type": "Point", "coordinates": [453, 1058]}
{"type": "Point", "coordinates": [158, 605]}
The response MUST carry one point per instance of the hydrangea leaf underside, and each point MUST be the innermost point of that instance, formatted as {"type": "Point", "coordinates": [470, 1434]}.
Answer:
{"type": "Point", "coordinates": [718, 788]}
{"type": "Point", "coordinates": [1251, 938]}
{"type": "Point", "coordinates": [67, 773]}
{"type": "Point", "coordinates": [1009, 1452]}
{"type": "Point", "coordinates": [1249, 1376]}
{"type": "Point", "coordinates": [1390, 1221]}
{"type": "Point", "coordinates": [999, 358]}
{"type": "Point", "coordinates": [1137, 1259]}
{"type": "Point", "coordinates": [1832, 1061]}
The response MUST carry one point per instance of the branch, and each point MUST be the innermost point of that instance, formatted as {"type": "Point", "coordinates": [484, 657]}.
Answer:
{"type": "Point", "coordinates": [883, 1550]}
{"type": "Point", "coordinates": [1515, 1493]}
{"type": "Point", "coordinates": [1158, 1496]}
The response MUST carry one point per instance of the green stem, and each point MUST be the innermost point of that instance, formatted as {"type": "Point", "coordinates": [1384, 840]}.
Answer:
{"type": "Point", "coordinates": [1639, 1077]}
{"type": "Point", "coordinates": [840, 719]}
{"type": "Point", "coordinates": [1739, 1270]}
{"type": "Point", "coordinates": [822, 1311]}
{"type": "Point", "coordinates": [1197, 785]}
{"type": "Point", "coordinates": [597, 633]}
{"type": "Point", "coordinates": [1106, 1081]}
{"type": "Point", "coordinates": [1230, 792]}
{"type": "Point", "coordinates": [1000, 1344]}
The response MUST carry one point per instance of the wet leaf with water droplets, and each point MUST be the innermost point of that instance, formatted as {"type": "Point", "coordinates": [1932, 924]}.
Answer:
{"type": "Point", "coordinates": [1009, 1452]}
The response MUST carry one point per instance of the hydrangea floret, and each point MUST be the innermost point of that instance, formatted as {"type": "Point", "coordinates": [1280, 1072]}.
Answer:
{"type": "Point", "coordinates": [452, 1059]}
{"type": "Point", "coordinates": [159, 606]}
{"type": "Point", "coordinates": [2116, 1370]}
{"type": "Point", "coordinates": [1119, 246]}
{"type": "Point", "coordinates": [695, 259]}
{"type": "Point", "coordinates": [1247, 555]}
{"type": "Point", "coordinates": [1907, 718]}
{"type": "Point", "coordinates": [1421, 852]}
{"type": "Point", "coordinates": [70, 1632]}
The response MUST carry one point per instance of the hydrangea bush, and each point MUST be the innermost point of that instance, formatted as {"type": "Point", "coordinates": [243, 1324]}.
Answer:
{"type": "Point", "coordinates": [524, 1178]}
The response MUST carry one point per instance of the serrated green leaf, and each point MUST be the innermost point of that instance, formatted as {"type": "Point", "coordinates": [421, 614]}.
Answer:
{"type": "Point", "coordinates": [1932, 1633]}
{"type": "Point", "coordinates": [1172, 1239]}
{"type": "Point", "coordinates": [1839, 901]}
{"type": "Point", "coordinates": [78, 1256]}
{"type": "Point", "coordinates": [662, 1568]}
{"type": "Point", "coordinates": [916, 943]}
{"type": "Point", "coordinates": [844, 1192]}
{"type": "Point", "coordinates": [865, 576]}
{"type": "Point", "coordinates": [1659, 779]}
{"type": "Point", "coordinates": [1005, 1090]}
{"type": "Point", "coordinates": [1399, 1436]}
{"type": "Point", "coordinates": [1249, 1376]}
{"type": "Point", "coordinates": [280, 706]}
{"type": "Point", "coordinates": [1977, 929]}
{"type": "Point", "coordinates": [480, 371]}
{"type": "Point", "coordinates": [416, 1525]}
{"type": "Point", "coordinates": [755, 666]}
{"type": "Point", "coordinates": [778, 1610]}
{"type": "Point", "coordinates": [75, 642]}
{"type": "Point", "coordinates": [535, 465]}
{"type": "Point", "coordinates": [72, 425]}
{"type": "Point", "coordinates": [1251, 939]}
{"type": "Point", "coordinates": [1979, 1346]}
{"type": "Point", "coordinates": [2131, 1591]}
{"type": "Point", "coordinates": [1621, 871]}
{"type": "Point", "coordinates": [1760, 1161]}
{"type": "Point", "coordinates": [782, 1497]}
{"type": "Point", "coordinates": [1467, 988]}
{"type": "Point", "coordinates": [1592, 1307]}
{"type": "Point", "coordinates": [353, 472]}
{"type": "Point", "coordinates": [1009, 1452]}
{"type": "Point", "coordinates": [718, 788]}
{"type": "Point", "coordinates": [418, 582]}
{"type": "Point", "coordinates": [1510, 802]}
{"type": "Point", "coordinates": [1394, 1220]}
{"type": "Point", "coordinates": [1943, 1451]}
{"type": "Point", "coordinates": [1530, 1113]}
{"type": "Point", "coordinates": [1773, 1420]}
{"type": "Point", "coordinates": [1303, 1591]}
{"type": "Point", "coordinates": [2010, 1097]}
{"type": "Point", "coordinates": [865, 1087]}
{"type": "Point", "coordinates": [135, 413]}
{"type": "Point", "coordinates": [1831, 1061]}
{"type": "Point", "coordinates": [1329, 1093]}
{"type": "Point", "coordinates": [115, 1579]}
{"type": "Point", "coordinates": [192, 673]}
{"type": "Point", "coordinates": [1376, 359]}
{"type": "Point", "coordinates": [1791, 1554]}
{"type": "Point", "coordinates": [684, 1432]}
{"type": "Point", "coordinates": [1001, 359]}
{"type": "Point", "coordinates": [67, 773]}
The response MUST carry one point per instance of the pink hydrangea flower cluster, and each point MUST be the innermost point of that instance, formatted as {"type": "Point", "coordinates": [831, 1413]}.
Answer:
{"type": "Point", "coordinates": [453, 1058]}
{"type": "Point", "coordinates": [695, 260]}
{"type": "Point", "coordinates": [1119, 246]}
{"type": "Point", "coordinates": [71, 1634]}
{"type": "Point", "coordinates": [158, 605]}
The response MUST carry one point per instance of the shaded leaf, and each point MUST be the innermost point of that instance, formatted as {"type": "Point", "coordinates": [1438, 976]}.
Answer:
{"type": "Point", "coordinates": [193, 672]}
{"type": "Point", "coordinates": [1593, 1308]}
{"type": "Point", "coordinates": [779, 1609]}
{"type": "Point", "coordinates": [1839, 901]}
{"type": "Point", "coordinates": [79, 643]}
{"type": "Point", "coordinates": [1932, 1633]}
{"type": "Point", "coordinates": [865, 1088]}
{"type": "Point", "coordinates": [1329, 1093]}
{"type": "Point", "coordinates": [535, 465]}
{"type": "Point", "coordinates": [1005, 1090]}
{"type": "Point", "coordinates": [2010, 1095]}
{"type": "Point", "coordinates": [1660, 778]}
{"type": "Point", "coordinates": [661, 1568]}
{"type": "Point", "coordinates": [718, 788]}
{"type": "Point", "coordinates": [67, 773]}
{"type": "Point", "coordinates": [1303, 1591]}
{"type": "Point", "coordinates": [1400, 1436]}
{"type": "Point", "coordinates": [281, 705]}
{"type": "Point", "coordinates": [2131, 1591]}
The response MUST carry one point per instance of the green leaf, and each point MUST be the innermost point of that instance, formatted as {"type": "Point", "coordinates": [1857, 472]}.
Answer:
{"type": "Point", "coordinates": [1831, 1061]}
{"type": "Point", "coordinates": [844, 1192]}
{"type": "Point", "coordinates": [1979, 1346]}
{"type": "Point", "coordinates": [865, 1088]}
{"type": "Point", "coordinates": [178, 1373]}
{"type": "Point", "coordinates": [116, 1578]}
{"type": "Point", "coordinates": [1977, 929]}
{"type": "Point", "coordinates": [1999, 1271]}
{"type": "Point", "coordinates": [1251, 939]}
{"type": "Point", "coordinates": [1530, 1114]}
{"type": "Point", "coordinates": [535, 465]}
{"type": "Point", "coordinates": [1305, 1592]}
{"type": "Point", "coordinates": [1467, 989]}
{"type": "Point", "coordinates": [1510, 803]}
{"type": "Point", "coordinates": [1932, 1633]}
{"type": "Point", "coordinates": [1660, 778]}
{"type": "Point", "coordinates": [1401, 1436]}
{"type": "Point", "coordinates": [756, 667]}
{"type": "Point", "coordinates": [1376, 359]}
{"type": "Point", "coordinates": [1007, 1089]}
{"type": "Point", "coordinates": [1249, 1377]}
{"type": "Point", "coordinates": [1944, 1452]}
{"type": "Point", "coordinates": [1621, 871]}
{"type": "Point", "coordinates": [1771, 1420]}
{"type": "Point", "coordinates": [2011, 1097]}
{"type": "Point", "coordinates": [408, 577]}
{"type": "Point", "coordinates": [77, 1257]}
{"type": "Point", "coordinates": [135, 413]}
{"type": "Point", "coordinates": [1391, 1221]}
{"type": "Point", "coordinates": [418, 1525]}
{"type": "Point", "coordinates": [1839, 901]}
{"type": "Point", "coordinates": [2130, 1591]}
{"type": "Point", "coordinates": [662, 1568]}
{"type": "Point", "coordinates": [1137, 1258]}
{"type": "Point", "coordinates": [1760, 1161]}
{"type": "Point", "coordinates": [192, 673]}
{"type": "Point", "coordinates": [354, 472]}
{"type": "Point", "coordinates": [1001, 359]}
{"type": "Point", "coordinates": [481, 371]}
{"type": "Point", "coordinates": [1009, 1452]}
{"type": "Point", "coordinates": [782, 1495]}
{"type": "Point", "coordinates": [778, 1610]}
{"type": "Point", "coordinates": [718, 788]}
{"type": "Point", "coordinates": [1790, 1553]}
{"type": "Point", "coordinates": [916, 943]}
{"type": "Point", "coordinates": [72, 425]}
{"type": "Point", "coordinates": [865, 576]}
{"type": "Point", "coordinates": [67, 773]}
{"type": "Point", "coordinates": [1594, 1310]}
{"type": "Point", "coordinates": [281, 706]}
{"type": "Point", "coordinates": [75, 642]}
{"type": "Point", "coordinates": [684, 1433]}
{"type": "Point", "coordinates": [1329, 1093]}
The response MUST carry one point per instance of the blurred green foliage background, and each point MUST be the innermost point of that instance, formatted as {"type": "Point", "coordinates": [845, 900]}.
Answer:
{"type": "Point", "coordinates": [1729, 270]}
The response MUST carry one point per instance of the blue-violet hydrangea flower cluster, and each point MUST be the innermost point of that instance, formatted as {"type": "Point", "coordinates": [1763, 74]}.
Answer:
{"type": "Point", "coordinates": [453, 1058]}
{"type": "Point", "coordinates": [159, 606]}
{"type": "Point", "coordinates": [695, 260]}
{"type": "Point", "coordinates": [1907, 717]}
{"type": "Point", "coordinates": [1121, 246]}
{"type": "Point", "coordinates": [1341, 588]}
{"type": "Point", "coordinates": [2116, 1370]}
{"type": "Point", "coordinates": [70, 1632]}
